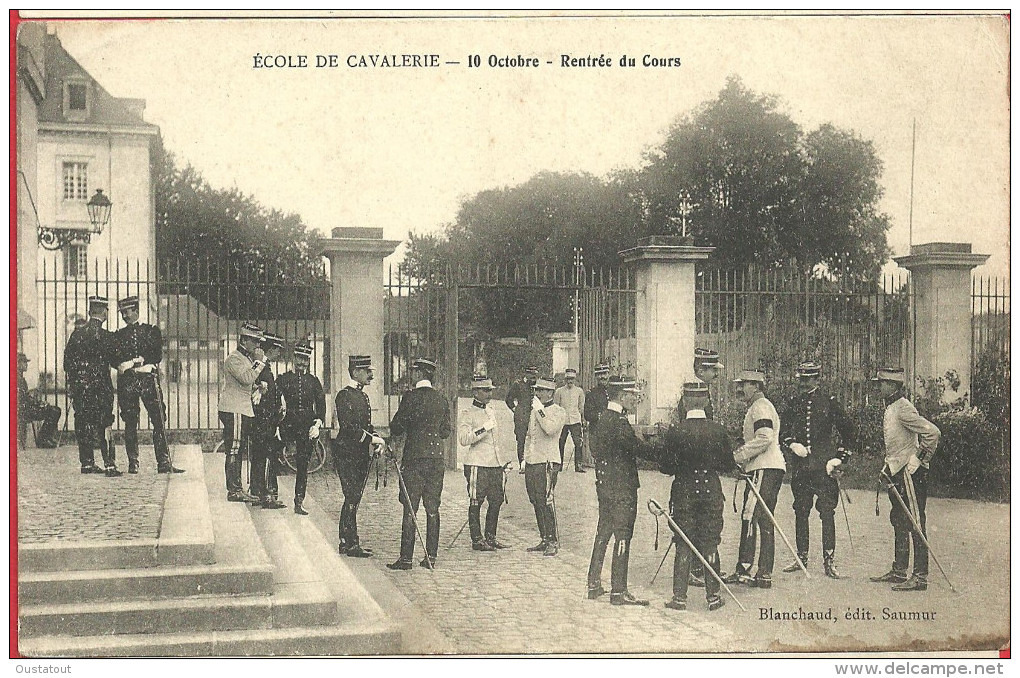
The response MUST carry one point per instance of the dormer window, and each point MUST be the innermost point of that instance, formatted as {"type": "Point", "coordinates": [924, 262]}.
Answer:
{"type": "Point", "coordinates": [76, 100]}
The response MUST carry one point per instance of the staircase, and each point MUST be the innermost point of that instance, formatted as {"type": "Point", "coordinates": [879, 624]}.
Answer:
{"type": "Point", "coordinates": [222, 579]}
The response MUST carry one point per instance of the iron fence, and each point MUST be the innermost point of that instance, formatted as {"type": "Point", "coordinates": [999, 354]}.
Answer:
{"type": "Point", "coordinates": [773, 319]}
{"type": "Point", "coordinates": [990, 344]}
{"type": "Point", "coordinates": [198, 307]}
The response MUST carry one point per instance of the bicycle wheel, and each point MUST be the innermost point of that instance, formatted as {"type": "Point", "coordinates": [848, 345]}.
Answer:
{"type": "Point", "coordinates": [316, 462]}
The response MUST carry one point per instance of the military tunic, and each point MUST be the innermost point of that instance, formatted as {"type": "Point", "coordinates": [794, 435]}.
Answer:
{"type": "Point", "coordinates": [483, 468]}
{"type": "Point", "coordinates": [518, 399]}
{"type": "Point", "coordinates": [131, 341]}
{"type": "Point", "coordinates": [424, 418]}
{"type": "Point", "coordinates": [695, 452]}
{"type": "Point", "coordinates": [235, 409]}
{"type": "Point", "coordinates": [266, 447]}
{"type": "Point", "coordinates": [810, 420]}
{"type": "Point", "coordinates": [616, 486]}
{"type": "Point", "coordinates": [305, 402]}
{"type": "Point", "coordinates": [87, 369]}
{"type": "Point", "coordinates": [352, 455]}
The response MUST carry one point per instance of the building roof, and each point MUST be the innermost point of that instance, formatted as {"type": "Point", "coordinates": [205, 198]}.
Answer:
{"type": "Point", "coordinates": [103, 108]}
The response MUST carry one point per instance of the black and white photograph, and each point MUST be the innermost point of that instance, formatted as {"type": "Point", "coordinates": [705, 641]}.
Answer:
{"type": "Point", "coordinates": [515, 334]}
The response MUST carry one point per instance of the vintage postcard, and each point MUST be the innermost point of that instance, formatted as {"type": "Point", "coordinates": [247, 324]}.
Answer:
{"type": "Point", "coordinates": [503, 333]}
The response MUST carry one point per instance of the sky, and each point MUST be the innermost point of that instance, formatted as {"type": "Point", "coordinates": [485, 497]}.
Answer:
{"type": "Point", "coordinates": [401, 148]}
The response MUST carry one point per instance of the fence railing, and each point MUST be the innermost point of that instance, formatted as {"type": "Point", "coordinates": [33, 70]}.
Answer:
{"type": "Point", "coordinates": [198, 308]}
{"type": "Point", "coordinates": [774, 319]}
{"type": "Point", "coordinates": [990, 343]}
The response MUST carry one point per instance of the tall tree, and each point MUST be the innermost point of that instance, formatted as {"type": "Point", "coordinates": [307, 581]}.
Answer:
{"type": "Point", "coordinates": [224, 235]}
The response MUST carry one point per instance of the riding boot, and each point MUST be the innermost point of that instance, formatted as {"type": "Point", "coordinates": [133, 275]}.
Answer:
{"type": "Point", "coordinates": [407, 536]}
{"type": "Point", "coordinates": [711, 583]}
{"type": "Point", "coordinates": [621, 561]}
{"type": "Point", "coordinates": [131, 442]}
{"type": "Point", "coordinates": [598, 557]}
{"type": "Point", "coordinates": [492, 522]}
{"type": "Point", "coordinates": [474, 521]}
{"type": "Point", "coordinates": [681, 572]}
{"type": "Point", "coordinates": [829, 566]}
{"type": "Point", "coordinates": [432, 535]}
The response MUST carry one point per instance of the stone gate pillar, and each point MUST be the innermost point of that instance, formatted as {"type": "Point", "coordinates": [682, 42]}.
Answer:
{"type": "Point", "coordinates": [664, 268]}
{"type": "Point", "coordinates": [356, 305]}
{"type": "Point", "coordinates": [940, 275]}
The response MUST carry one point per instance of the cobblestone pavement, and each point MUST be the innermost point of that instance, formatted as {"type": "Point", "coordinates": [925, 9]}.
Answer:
{"type": "Point", "coordinates": [517, 602]}
{"type": "Point", "coordinates": [57, 502]}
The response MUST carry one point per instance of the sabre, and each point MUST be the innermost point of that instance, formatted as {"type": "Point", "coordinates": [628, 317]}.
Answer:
{"type": "Point", "coordinates": [914, 523]}
{"type": "Point", "coordinates": [457, 536]}
{"type": "Point", "coordinates": [165, 416]}
{"type": "Point", "coordinates": [765, 508]}
{"type": "Point", "coordinates": [656, 509]}
{"type": "Point", "coordinates": [407, 507]}
{"type": "Point", "coordinates": [845, 496]}
{"type": "Point", "coordinates": [662, 562]}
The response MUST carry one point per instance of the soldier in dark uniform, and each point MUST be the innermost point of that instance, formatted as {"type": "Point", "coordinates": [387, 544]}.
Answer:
{"type": "Point", "coordinates": [353, 450]}
{"type": "Point", "coordinates": [707, 368]}
{"type": "Point", "coordinates": [87, 368]}
{"type": "Point", "coordinates": [32, 409]}
{"type": "Point", "coordinates": [596, 400]}
{"type": "Point", "coordinates": [424, 418]}
{"type": "Point", "coordinates": [616, 485]}
{"type": "Point", "coordinates": [696, 451]}
{"type": "Point", "coordinates": [266, 446]}
{"type": "Point", "coordinates": [518, 399]}
{"type": "Point", "coordinates": [138, 350]}
{"type": "Point", "coordinates": [814, 459]}
{"type": "Point", "coordinates": [305, 405]}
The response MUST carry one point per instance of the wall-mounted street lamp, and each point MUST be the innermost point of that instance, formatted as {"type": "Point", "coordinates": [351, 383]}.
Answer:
{"type": "Point", "coordinates": [99, 208]}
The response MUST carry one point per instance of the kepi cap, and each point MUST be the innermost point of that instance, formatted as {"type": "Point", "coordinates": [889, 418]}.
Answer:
{"type": "Point", "coordinates": [427, 364]}
{"type": "Point", "coordinates": [695, 389]}
{"type": "Point", "coordinates": [545, 384]}
{"type": "Point", "coordinates": [809, 369]}
{"type": "Point", "coordinates": [272, 339]}
{"type": "Point", "coordinates": [127, 303]}
{"type": "Point", "coordinates": [359, 362]}
{"type": "Point", "coordinates": [481, 381]}
{"type": "Point", "coordinates": [98, 301]}
{"type": "Point", "coordinates": [750, 375]}
{"type": "Point", "coordinates": [570, 372]}
{"type": "Point", "coordinates": [303, 351]}
{"type": "Point", "coordinates": [706, 357]}
{"type": "Point", "coordinates": [897, 374]}
{"type": "Point", "coordinates": [602, 369]}
{"type": "Point", "coordinates": [624, 384]}
{"type": "Point", "coordinates": [251, 331]}
{"type": "Point", "coordinates": [531, 370]}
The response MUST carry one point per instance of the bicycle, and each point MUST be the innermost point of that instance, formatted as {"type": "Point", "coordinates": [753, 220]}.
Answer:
{"type": "Point", "coordinates": [315, 463]}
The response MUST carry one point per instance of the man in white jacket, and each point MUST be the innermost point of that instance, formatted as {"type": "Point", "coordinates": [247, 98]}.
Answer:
{"type": "Point", "coordinates": [483, 467]}
{"type": "Point", "coordinates": [910, 444]}
{"type": "Point", "coordinates": [240, 370]}
{"type": "Point", "coordinates": [761, 459]}
{"type": "Point", "coordinates": [542, 462]}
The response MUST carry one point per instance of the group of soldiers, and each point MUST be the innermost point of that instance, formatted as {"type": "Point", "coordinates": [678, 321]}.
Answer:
{"type": "Point", "coordinates": [261, 413]}
{"type": "Point", "coordinates": [134, 351]}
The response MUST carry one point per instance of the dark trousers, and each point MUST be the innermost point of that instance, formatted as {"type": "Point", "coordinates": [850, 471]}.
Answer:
{"type": "Point", "coordinates": [236, 442]}
{"type": "Point", "coordinates": [303, 454]}
{"type": "Point", "coordinates": [132, 387]}
{"type": "Point", "coordinates": [754, 521]}
{"type": "Point", "coordinates": [521, 434]}
{"type": "Point", "coordinates": [49, 415]}
{"type": "Point", "coordinates": [423, 480]}
{"type": "Point", "coordinates": [90, 426]}
{"type": "Point", "coordinates": [484, 483]}
{"type": "Point", "coordinates": [574, 431]}
{"type": "Point", "coordinates": [540, 481]}
{"type": "Point", "coordinates": [265, 461]}
{"type": "Point", "coordinates": [353, 479]}
{"type": "Point", "coordinates": [682, 569]}
{"type": "Point", "coordinates": [617, 513]}
{"type": "Point", "coordinates": [815, 487]}
{"type": "Point", "coordinates": [903, 530]}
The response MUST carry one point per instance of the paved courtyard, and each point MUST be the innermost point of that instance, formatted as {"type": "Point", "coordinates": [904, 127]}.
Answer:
{"type": "Point", "coordinates": [57, 502]}
{"type": "Point", "coordinates": [515, 602]}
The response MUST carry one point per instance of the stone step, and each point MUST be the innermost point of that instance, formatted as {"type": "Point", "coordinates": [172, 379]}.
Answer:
{"type": "Point", "coordinates": [185, 536]}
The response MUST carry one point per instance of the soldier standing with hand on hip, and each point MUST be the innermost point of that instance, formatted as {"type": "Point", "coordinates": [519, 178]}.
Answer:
{"type": "Point", "coordinates": [423, 417]}
{"type": "Point", "coordinates": [483, 468]}
{"type": "Point", "coordinates": [814, 461]}
{"type": "Point", "coordinates": [616, 485]}
{"type": "Point", "coordinates": [235, 407]}
{"type": "Point", "coordinates": [354, 448]}
{"type": "Point", "coordinates": [305, 410]}
{"type": "Point", "coordinates": [910, 444]}
{"type": "Point", "coordinates": [138, 350]}
{"type": "Point", "coordinates": [87, 368]}
{"type": "Point", "coordinates": [596, 400]}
